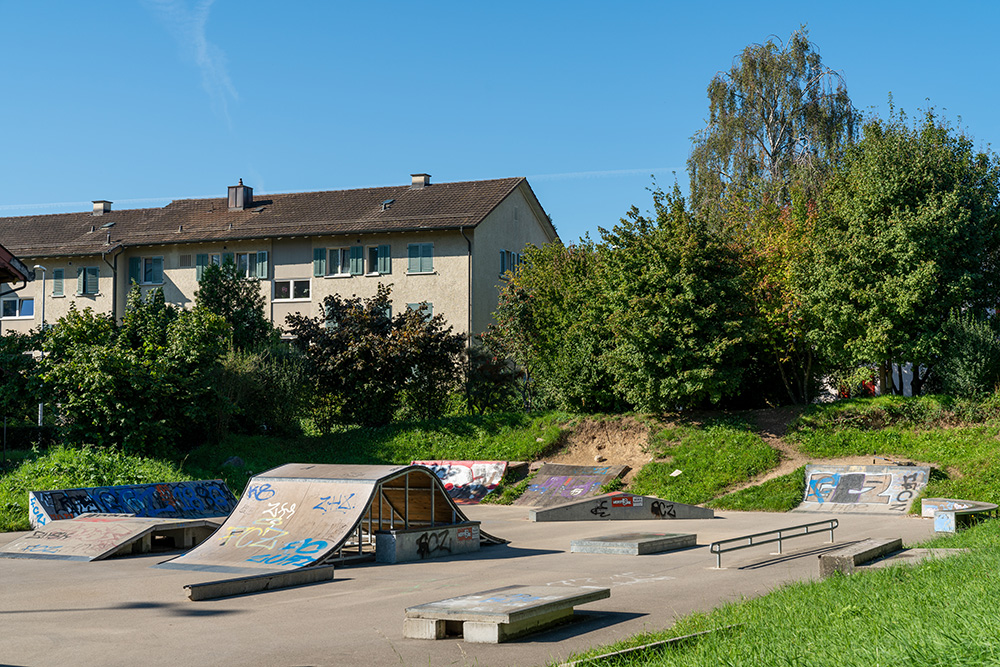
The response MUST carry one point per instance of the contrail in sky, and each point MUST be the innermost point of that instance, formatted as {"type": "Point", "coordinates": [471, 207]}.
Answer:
{"type": "Point", "coordinates": [187, 26]}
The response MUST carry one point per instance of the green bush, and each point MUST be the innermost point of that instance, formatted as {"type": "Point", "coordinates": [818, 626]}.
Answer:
{"type": "Point", "coordinates": [970, 363]}
{"type": "Point", "coordinates": [71, 468]}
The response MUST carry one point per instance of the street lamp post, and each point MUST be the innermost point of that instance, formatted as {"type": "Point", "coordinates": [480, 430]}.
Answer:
{"type": "Point", "coordinates": [41, 409]}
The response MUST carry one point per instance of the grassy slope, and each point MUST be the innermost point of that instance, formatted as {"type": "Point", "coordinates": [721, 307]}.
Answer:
{"type": "Point", "coordinates": [942, 612]}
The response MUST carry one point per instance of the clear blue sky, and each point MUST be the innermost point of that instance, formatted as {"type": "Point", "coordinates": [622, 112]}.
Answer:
{"type": "Point", "coordinates": [147, 101]}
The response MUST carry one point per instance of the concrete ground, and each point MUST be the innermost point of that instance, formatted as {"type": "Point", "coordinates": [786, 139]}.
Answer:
{"type": "Point", "coordinates": [122, 612]}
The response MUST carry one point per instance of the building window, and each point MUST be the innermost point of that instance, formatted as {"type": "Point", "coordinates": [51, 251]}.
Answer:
{"type": "Point", "coordinates": [509, 261]}
{"type": "Point", "coordinates": [58, 281]}
{"type": "Point", "coordinates": [184, 262]}
{"type": "Point", "coordinates": [425, 306]}
{"type": "Point", "coordinates": [248, 264]}
{"type": "Point", "coordinates": [88, 279]}
{"type": "Point", "coordinates": [288, 290]}
{"type": "Point", "coordinates": [339, 262]}
{"type": "Point", "coordinates": [421, 258]}
{"type": "Point", "coordinates": [152, 270]}
{"type": "Point", "coordinates": [379, 260]}
{"type": "Point", "coordinates": [14, 307]}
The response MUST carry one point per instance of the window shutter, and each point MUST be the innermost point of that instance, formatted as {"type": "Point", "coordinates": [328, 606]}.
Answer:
{"type": "Point", "coordinates": [157, 276]}
{"type": "Point", "coordinates": [228, 257]}
{"type": "Point", "coordinates": [58, 276]}
{"type": "Point", "coordinates": [262, 272]}
{"type": "Point", "coordinates": [428, 309]}
{"type": "Point", "coordinates": [200, 262]}
{"type": "Point", "coordinates": [80, 277]}
{"type": "Point", "coordinates": [503, 262]}
{"type": "Point", "coordinates": [357, 260]}
{"type": "Point", "coordinates": [134, 264]}
{"type": "Point", "coordinates": [413, 265]}
{"type": "Point", "coordinates": [426, 257]}
{"type": "Point", "coordinates": [97, 279]}
{"type": "Point", "coordinates": [384, 259]}
{"type": "Point", "coordinates": [319, 262]}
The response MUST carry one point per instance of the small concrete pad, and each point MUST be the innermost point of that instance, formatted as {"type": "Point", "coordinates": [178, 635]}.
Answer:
{"type": "Point", "coordinates": [846, 560]}
{"type": "Point", "coordinates": [634, 544]}
{"type": "Point", "coordinates": [497, 615]}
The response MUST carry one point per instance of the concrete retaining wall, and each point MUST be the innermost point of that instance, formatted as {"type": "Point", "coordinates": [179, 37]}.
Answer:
{"type": "Point", "coordinates": [863, 489]}
{"type": "Point", "coordinates": [400, 546]}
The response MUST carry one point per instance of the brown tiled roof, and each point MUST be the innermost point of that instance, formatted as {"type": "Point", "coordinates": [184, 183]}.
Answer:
{"type": "Point", "coordinates": [11, 268]}
{"type": "Point", "coordinates": [436, 206]}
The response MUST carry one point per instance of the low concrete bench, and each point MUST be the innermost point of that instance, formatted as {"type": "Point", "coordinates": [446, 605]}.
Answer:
{"type": "Point", "coordinates": [847, 559]}
{"type": "Point", "coordinates": [497, 615]}
{"type": "Point", "coordinates": [223, 588]}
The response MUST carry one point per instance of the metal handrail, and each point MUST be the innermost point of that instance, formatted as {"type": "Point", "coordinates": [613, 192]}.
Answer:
{"type": "Point", "coordinates": [718, 548]}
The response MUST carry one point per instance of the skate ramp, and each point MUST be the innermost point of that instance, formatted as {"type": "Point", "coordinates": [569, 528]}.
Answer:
{"type": "Point", "coordinates": [172, 500]}
{"type": "Point", "coordinates": [862, 489]}
{"type": "Point", "coordinates": [556, 484]}
{"type": "Point", "coordinates": [620, 507]}
{"type": "Point", "coordinates": [467, 482]}
{"type": "Point", "coordinates": [98, 536]}
{"type": "Point", "coordinates": [298, 515]}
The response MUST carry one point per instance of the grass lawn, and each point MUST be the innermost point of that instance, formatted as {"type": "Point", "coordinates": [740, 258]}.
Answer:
{"type": "Point", "coordinates": [942, 612]}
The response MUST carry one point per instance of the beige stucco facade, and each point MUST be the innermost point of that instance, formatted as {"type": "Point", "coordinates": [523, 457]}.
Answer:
{"type": "Point", "coordinates": [461, 281]}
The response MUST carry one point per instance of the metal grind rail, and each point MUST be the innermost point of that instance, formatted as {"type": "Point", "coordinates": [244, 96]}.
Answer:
{"type": "Point", "coordinates": [769, 537]}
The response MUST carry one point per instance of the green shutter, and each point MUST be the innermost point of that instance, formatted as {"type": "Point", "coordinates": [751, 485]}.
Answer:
{"type": "Point", "coordinates": [200, 262]}
{"type": "Point", "coordinates": [319, 262]}
{"type": "Point", "coordinates": [262, 264]}
{"type": "Point", "coordinates": [357, 260]}
{"type": "Point", "coordinates": [80, 276]}
{"type": "Point", "coordinates": [97, 279]}
{"type": "Point", "coordinates": [503, 262]}
{"type": "Point", "coordinates": [426, 257]}
{"type": "Point", "coordinates": [157, 276]}
{"type": "Point", "coordinates": [413, 263]}
{"type": "Point", "coordinates": [58, 276]}
{"type": "Point", "coordinates": [134, 266]}
{"type": "Point", "coordinates": [384, 259]}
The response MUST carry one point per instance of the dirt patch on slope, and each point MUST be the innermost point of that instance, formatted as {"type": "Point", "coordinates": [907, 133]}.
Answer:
{"type": "Point", "coordinates": [620, 441]}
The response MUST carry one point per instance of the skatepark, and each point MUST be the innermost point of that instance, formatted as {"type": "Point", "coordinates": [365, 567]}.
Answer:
{"type": "Point", "coordinates": [124, 610]}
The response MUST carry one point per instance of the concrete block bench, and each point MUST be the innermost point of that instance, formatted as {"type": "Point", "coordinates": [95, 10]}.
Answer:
{"type": "Point", "coordinates": [497, 615]}
{"type": "Point", "coordinates": [845, 560]}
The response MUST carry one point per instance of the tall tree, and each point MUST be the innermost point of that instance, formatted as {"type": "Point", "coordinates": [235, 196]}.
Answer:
{"type": "Point", "coordinates": [912, 234]}
{"type": "Point", "coordinates": [677, 303]}
{"type": "Point", "coordinates": [227, 292]}
{"type": "Point", "coordinates": [777, 110]}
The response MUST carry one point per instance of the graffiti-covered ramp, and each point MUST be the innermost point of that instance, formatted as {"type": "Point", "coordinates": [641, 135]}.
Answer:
{"type": "Point", "coordinates": [862, 489]}
{"type": "Point", "coordinates": [299, 514]}
{"type": "Point", "coordinates": [98, 536]}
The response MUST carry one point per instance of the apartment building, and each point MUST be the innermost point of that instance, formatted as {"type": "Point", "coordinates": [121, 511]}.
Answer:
{"type": "Point", "coordinates": [443, 245]}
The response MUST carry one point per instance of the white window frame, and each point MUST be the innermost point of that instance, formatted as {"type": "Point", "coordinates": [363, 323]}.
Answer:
{"type": "Point", "coordinates": [150, 262]}
{"type": "Point", "coordinates": [18, 307]}
{"type": "Point", "coordinates": [291, 290]}
{"type": "Point", "coordinates": [342, 267]}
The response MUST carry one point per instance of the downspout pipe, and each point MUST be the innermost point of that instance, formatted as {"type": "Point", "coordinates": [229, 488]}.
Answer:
{"type": "Point", "coordinates": [114, 277]}
{"type": "Point", "coordinates": [468, 241]}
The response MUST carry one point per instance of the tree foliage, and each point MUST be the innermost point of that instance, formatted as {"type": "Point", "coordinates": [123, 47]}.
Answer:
{"type": "Point", "coordinates": [238, 300]}
{"type": "Point", "coordinates": [912, 234]}
{"type": "Point", "coordinates": [550, 322]}
{"type": "Point", "coordinates": [677, 309]}
{"type": "Point", "coordinates": [18, 376]}
{"type": "Point", "coordinates": [364, 361]}
{"type": "Point", "coordinates": [778, 111]}
{"type": "Point", "coordinates": [146, 386]}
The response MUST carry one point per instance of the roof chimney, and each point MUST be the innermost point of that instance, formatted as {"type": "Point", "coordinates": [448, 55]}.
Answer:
{"type": "Point", "coordinates": [419, 181]}
{"type": "Point", "coordinates": [101, 207]}
{"type": "Point", "coordinates": [240, 196]}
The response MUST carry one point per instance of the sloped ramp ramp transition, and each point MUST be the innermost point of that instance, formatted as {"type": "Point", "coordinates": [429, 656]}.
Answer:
{"type": "Point", "coordinates": [298, 515]}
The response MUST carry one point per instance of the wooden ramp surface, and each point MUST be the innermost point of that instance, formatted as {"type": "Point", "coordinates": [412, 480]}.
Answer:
{"type": "Point", "coordinates": [98, 536]}
{"type": "Point", "coordinates": [301, 515]}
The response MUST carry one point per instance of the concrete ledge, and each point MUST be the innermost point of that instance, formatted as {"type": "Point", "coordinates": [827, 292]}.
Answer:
{"type": "Point", "coordinates": [408, 544]}
{"type": "Point", "coordinates": [211, 590]}
{"type": "Point", "coordinates": [497, 615]}
{"type": "Point", "coordinates": [847, 559]}
{"type": "Point", "coordinates": [634, 544]}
